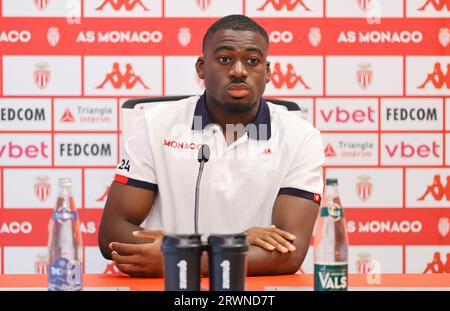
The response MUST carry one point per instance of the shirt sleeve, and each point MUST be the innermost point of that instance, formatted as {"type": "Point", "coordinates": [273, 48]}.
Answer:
{"type": "Point", "coordinates": [136, 166]}
{"type": "Point", "coordinates": [304, 179]}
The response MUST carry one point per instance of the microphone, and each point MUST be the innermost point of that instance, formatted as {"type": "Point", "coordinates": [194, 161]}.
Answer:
{"type": "Point", "coordinates": [202, 157]}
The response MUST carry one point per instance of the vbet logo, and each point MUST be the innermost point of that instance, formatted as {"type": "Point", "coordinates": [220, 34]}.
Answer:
{"type": "Point", "coordinates": [296, 76]}
{"type": "Point", "coordinates": [25, 149]}
{"type": "Point", "coordinates": [411, 149]}
{"type": "Point", "coordinates": [347, 114]}
{"type": "Point", "coordinates": [284, 8]}
{"type": "Point", "coordinates": [134, 75]}
{"type": "Point", "coordinates": [123, 8]}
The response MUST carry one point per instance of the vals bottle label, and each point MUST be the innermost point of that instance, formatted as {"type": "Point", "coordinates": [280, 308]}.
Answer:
{"type": "Point", "coordinates": [330, 277]}
{"type": "Point", "coordinates": [64, 274]}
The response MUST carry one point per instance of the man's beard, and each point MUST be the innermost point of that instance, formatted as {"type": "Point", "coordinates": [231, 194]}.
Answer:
{"type": "Point", "coordinates": [237, 108]}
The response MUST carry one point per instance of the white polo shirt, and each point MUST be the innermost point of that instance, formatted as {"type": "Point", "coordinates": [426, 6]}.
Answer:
{"type": "Point", "coordinates": [280, 153]}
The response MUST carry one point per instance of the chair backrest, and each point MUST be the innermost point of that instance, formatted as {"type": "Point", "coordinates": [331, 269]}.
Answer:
{"type": "Point", "coordinates": [132, 108]}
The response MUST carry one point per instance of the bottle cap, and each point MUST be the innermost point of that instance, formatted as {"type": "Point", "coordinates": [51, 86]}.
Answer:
{"type": "Point", "coordinates": [228, 243]}
{"type": "Point", "coordinates": [331, 182]}
{"type": "Point", "coordinates": [175, 242]}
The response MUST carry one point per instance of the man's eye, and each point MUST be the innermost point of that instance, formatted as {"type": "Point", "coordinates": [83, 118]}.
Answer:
{"type": "Point", "coordinates": [223, 59]}
{"type": "Point", "coordinates": [253, 61]}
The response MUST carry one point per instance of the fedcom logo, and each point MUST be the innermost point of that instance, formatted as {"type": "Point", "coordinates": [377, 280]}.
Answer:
{"type": "Point", "coordinates": [16, 227]}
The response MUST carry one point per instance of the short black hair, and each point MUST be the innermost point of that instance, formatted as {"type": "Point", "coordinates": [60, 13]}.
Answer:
{"type": "Point", "coordinates": [234, 22]}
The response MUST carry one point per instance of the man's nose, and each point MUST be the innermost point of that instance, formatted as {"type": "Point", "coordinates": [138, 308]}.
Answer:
{"type": "Point", "coordinates": [238, 70]}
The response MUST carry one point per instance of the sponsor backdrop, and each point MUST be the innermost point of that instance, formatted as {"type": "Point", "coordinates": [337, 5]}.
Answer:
{"type": "Point", "coordinates": [372, 75]}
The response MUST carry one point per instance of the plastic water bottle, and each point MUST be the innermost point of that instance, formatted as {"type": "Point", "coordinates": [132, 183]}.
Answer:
{"type": "Point", "coordinates": [331, 243]}
{"type": "Point", "coordinates": [64, 243]}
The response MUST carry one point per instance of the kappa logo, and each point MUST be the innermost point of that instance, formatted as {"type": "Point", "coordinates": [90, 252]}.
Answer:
{"type": "Point", "coordinates": [437, 266]}
{"type": "Point", "coordinates": [103, 196]}
{"type": "Point", "coordinates": [118, 5]}
{"type": "Point", "coordinates": [67, 116]}
{"type": "Point", "coordinates": [267, 151]}
{"type": "Point", "coordinates": [364, 75]}
{"type": "Point", "coordinates": [437, 78]}
{"type": "Point", "coordinates": [279, 5]}
{"type": "Point", "coordinates": [41, 4]}
{"type": "Point", "coordinates": [129, 79]}
{"type": "Point", "coordinates": [437, 190]}
{"type": "Point", "coordinates": [42, 188]}
{"type": "Point", "coordinates": [329, 151]}
{"type": "Point", "coordinates": [42, 75]}
{"type": "Point", "coordinates": [203, 4]}
{"type": "Point", "coordinates": [290, 78]}
{"type": "Point", "coordinates": [364, 187]}
{"type": "Point", "coordinates": [438, 5]}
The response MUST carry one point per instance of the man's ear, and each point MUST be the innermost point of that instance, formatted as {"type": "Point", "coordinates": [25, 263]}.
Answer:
{"type": "Point", "coordinates": [268, 72]}
{"type": "Point", "coordinates": [200, 67]}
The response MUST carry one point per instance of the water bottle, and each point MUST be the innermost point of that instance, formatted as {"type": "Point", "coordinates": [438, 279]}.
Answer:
{"type": "Point", "coordinates": [64, 243]}
{"type": "Point", "coordinates": [331, 243]}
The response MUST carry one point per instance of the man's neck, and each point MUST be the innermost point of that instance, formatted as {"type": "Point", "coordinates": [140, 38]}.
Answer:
{"type": "Point", "coordinates": [220, 116]}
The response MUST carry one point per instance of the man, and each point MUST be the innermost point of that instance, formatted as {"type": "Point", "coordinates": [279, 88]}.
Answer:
{"type": "Point", "coordinates": [263, 177]}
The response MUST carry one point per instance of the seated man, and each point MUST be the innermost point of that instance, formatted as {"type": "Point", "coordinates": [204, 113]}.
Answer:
{"type": "Point", "coordinates": [263, 177]}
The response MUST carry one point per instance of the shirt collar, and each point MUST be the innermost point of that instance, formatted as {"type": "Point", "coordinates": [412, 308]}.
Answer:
{"type": "Point", "coordinates": [262, 129]}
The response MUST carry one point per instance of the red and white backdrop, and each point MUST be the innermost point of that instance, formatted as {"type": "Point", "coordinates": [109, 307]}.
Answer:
{"type": "Point", "coordinates": [373, 76]}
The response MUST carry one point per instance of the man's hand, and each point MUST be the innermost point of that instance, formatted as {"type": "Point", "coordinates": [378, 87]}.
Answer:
{"type": "Point", "coordinates": [142, 260]}
{"type": "Point", "coordinates": [271, 239]}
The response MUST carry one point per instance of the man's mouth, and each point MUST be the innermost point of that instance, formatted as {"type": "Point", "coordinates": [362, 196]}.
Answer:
{"type": "Point", "coordinates": [238, 90]}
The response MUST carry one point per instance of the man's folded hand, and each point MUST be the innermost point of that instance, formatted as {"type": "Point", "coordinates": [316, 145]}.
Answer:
{"type": "Point", "coordinates": [271, 238]}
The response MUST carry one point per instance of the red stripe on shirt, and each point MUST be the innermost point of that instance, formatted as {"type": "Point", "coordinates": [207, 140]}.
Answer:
{"type": "Point", "coordinates": [121, 179]}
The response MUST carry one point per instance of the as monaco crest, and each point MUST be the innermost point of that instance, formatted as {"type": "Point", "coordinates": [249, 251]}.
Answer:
{"type": "Point", "coordinates": [41, 4]}
{"type": "Point", "coordinates": [364, 188]}
{"type": "Point", "coordinates": [42, 75]}
{"type": "Point", "coordinates": [203, 4]}
{"type": "Point", "coordinates": [314, 36]}
{"type": "Point", "coordinates": [42, 187]}
{"type": "Point", "coordinates": [443, 226]}
{"type": "Point", "coordinates": [365, 4]}
{"type": "Point", "coordinates": [53, 36]}
{"type": "Point", "coordinates": [364, 263]}
{"type": "Point", "coordinates": [444, 36]}
{"type": "Point", "coordinates": [40, 265]}
{"type": "Point", "coordinates": [184, 36]}
{"type": "Point", "coordinates": [364, 75]}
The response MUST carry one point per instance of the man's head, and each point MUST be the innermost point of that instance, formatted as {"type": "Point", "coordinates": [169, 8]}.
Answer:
{"type": "Point", "coordinates": [234, 63]}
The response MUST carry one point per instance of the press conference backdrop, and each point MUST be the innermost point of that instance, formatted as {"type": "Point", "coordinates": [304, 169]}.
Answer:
{"type": "Point", "coordinates": [373, 76]}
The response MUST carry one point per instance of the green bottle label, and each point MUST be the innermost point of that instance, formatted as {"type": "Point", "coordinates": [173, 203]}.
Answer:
{"type": "Point", "coordinates": [330, 277]}
{"type": "Point", "coordinates": [334, 211]}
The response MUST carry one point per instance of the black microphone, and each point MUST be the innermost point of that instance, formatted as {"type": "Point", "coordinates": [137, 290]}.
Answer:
{"type": "Point", "coordinates": [202, 157]}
